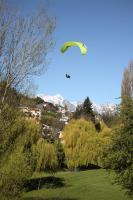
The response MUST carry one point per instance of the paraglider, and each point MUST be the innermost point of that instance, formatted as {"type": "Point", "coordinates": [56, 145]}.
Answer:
{"type": "Point", "coordinates": [81, 45]}
{"type": "Point", "coordinates": [66, 45]}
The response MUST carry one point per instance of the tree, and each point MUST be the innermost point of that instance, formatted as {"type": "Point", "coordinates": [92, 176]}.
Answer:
{"type": "Point", "coordinates": [127, 82]}
{"type": "Point", "coordinates": [88, 110]}
{"type": "Point", "coordinates": [24, 45]}
{"type": "Point", "coordinates": [83, 145]}
{"type": "Point", "coordinates": [46, 156]}
{"type": "Point", "coordinates": [111, 119]}
{"type": "Point", "coordinates": [120, 153]}
{"type": "Point", "coordinates": [16, 153]}
{"type": "Point", "coordinates": [60, 155]}
{"type": "Point", "coordinates": [12, 97]}
{"type": "Point", "coordinates": [78, 113]}
{"type": "Point", "coordinates": [85, 110]}
{"type": "Point", "coordinates": [13, 176]}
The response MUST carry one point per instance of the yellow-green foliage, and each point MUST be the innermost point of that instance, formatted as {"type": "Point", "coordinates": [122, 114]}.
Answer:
{"type": "Point", "coordinates": [30, 134]}
{"type": "Point", "coordinates": [83, 145]}
{"type": "Point", "coordinates": [22, 151]}
{"type": "Point", "coordinates": [17, 159]}
{"type": "Point", "coordinates": [14, 173]}
{"type": "Point", "coordinates": [103, 140]}
{"type": "Point", "coordinates": [46, 156]}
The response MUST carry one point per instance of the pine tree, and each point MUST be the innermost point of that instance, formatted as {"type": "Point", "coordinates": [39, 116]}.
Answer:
{"type": "Point", "coordinates": [88, 110]}
{"type": "Point", "coordinates": [85, 110]}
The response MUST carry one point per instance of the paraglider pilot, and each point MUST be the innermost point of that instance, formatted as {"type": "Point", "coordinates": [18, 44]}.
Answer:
{"type": "Point", "coordinates": [68, 76]}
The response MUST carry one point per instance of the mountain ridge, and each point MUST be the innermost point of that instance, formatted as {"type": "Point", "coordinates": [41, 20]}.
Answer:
{"type": "Point", "coordinates": [71, 106]}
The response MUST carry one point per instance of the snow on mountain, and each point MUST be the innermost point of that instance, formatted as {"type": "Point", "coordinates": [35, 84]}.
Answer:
{"type": "Point", "coordinates": [70, 106]}
{"type": "Point", "coordinates": [102, 108]}
{"type": "Point", "coordinates": [56, 99]}
{"type": "Point", "coordinates": [59, 100]}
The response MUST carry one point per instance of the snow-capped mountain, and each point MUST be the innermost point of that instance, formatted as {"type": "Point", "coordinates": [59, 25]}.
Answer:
{"type": "Point", "coordinates": [71, 106]}
{"type": "Point", "coordinates": [59, 100]}
{"type": "Point", "coordinates": [102, 108]}
{"type": "Point", "coordinates": [56, 99]}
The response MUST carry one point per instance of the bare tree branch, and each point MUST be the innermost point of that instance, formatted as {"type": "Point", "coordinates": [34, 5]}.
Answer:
{"type": "Point", "coordinates": [127, 82]}
{"type": "Point", "coordinates": [24, 45]}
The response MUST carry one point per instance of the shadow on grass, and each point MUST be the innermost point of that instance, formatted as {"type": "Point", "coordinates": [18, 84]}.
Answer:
{"type": "Point", "coordinates": [44, 182]}
{"type": "Point", "coordinates": [54, 198]}
{"type": "Point", "coordinates": [89, 167]}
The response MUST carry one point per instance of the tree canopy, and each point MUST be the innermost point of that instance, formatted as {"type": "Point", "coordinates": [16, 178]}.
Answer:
{"type": "Point", "coordinates": [120, 153]}
{"type": "Point", "coordinates": [83, 145]}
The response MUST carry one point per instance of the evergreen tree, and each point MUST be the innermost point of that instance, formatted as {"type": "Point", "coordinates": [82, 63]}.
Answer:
{"type": "Point", "coordinates": [88, 110]}
{"type": "Point", "coordinates": [85, 110]}
{"type": "Point", "coordinates": [120, 154]}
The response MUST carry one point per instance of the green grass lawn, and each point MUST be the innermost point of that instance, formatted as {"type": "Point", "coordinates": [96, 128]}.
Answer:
{"type": "Point", "coordinates": [84, 185]}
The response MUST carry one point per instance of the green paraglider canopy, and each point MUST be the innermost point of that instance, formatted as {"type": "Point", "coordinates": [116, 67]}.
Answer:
{"type": "Point", "coordinates": [81, 45]}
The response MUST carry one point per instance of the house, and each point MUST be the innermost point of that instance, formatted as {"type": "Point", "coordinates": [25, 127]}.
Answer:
{"type": "Point", "coordinates": [61, 109]}
{"type": "Point", "coordinates": [31, 112]}
{"type": "Point", "coordinates": [64, 119]}
{"type": "Point", "coordinates": [49, 106]}
{"type": "Point", "coordinates": [35, 113]}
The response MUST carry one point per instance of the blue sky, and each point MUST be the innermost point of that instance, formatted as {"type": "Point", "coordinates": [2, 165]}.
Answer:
{"type": "Point", "coordinates": [106, 27]}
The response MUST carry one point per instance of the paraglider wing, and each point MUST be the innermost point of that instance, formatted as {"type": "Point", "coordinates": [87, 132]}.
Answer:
{"type": "Point", "coordinates": [82, 46]}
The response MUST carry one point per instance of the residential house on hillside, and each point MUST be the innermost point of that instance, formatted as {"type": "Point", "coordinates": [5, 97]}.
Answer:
{"type": "Point", "coordinates": [64, 119]}
{"type": "Point", "coordinates": [31, 112]}
{"type": "Point", "coordinates": [61, 109]}
{"type": "Point", "coordinates": [35, 113]}
{"type": "Point", "coordinates": [49, 106]}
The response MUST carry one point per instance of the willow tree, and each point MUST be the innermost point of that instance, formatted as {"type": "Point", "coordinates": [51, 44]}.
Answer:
{"type": "Point", "coordinates": [22, 152]}
{"type": "Point", "coordinates": [46, 156]}
{"type": "Point", "coordinates": [83, 145]}
{"type": "Point", "coordinates": [17, 157]}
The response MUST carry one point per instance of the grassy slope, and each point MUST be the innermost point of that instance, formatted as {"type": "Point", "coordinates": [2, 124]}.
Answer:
{"type": "Point", "coordinates": [85, 185]}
